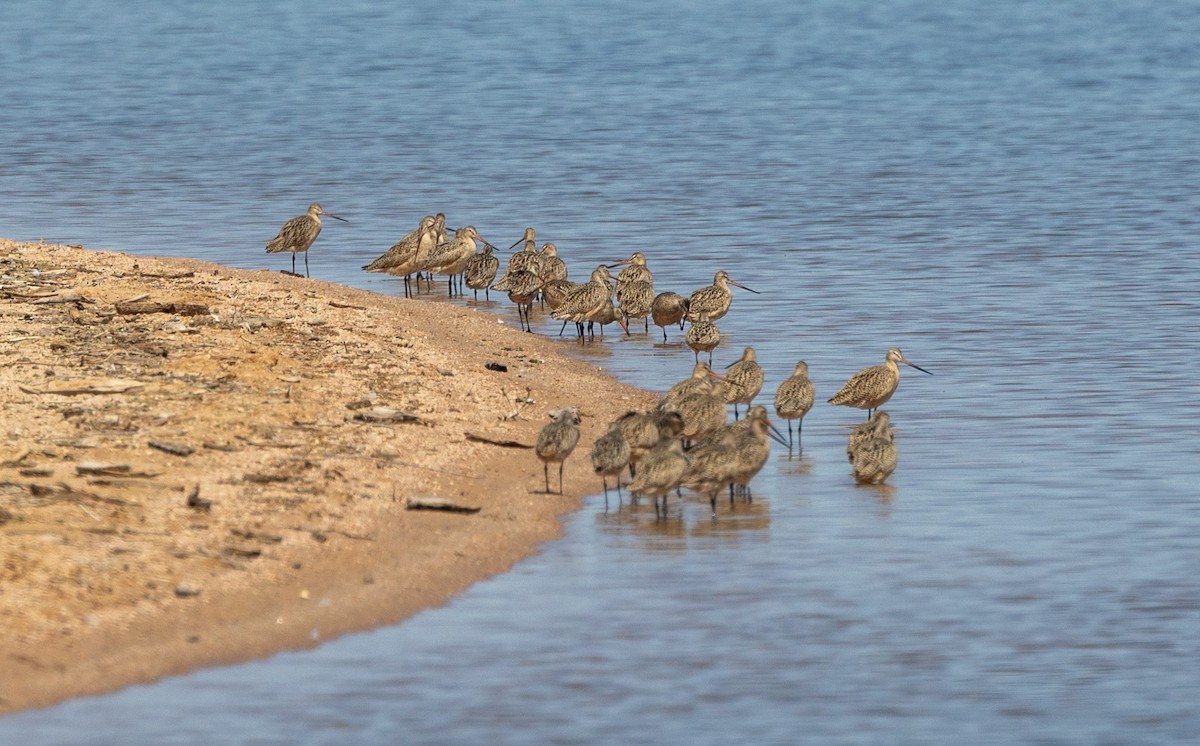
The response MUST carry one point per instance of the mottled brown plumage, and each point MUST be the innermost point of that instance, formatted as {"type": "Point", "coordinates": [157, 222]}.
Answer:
{"type": "Point", "coordinates": [872, 450]}
{"type": "Point", "coordinates": [703, 336]}
{"type": "Point", "coordinates": [714, 299]}
{"type": "Point", "coordinates": [610, 456]}
{"type": "Point", "coordinates": [556, 441]}
{"type": "Point", "coordinates": [668, 309]}
{"type": "Point", "coordinates": [662, 468]}
{"type": "Point", "coordinates": [872, 387]}
{"type": "Point", "coordinates": [793, 399]}
{"type": "Point", "coordinates": [745, 380]}
{"type": "Point", "coordinates": [298, 234]}
{"type": "Point", "coordinates": [408, 255]}
{"type": "Point", "coordinates": [481, 271]}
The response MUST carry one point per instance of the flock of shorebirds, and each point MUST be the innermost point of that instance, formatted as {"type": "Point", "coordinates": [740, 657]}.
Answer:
{"type": "Point", "coordinates": [686, 440]}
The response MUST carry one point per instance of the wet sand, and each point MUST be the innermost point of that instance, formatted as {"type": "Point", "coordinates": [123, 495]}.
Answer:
{"type": "Point", "coordinates": [201, 465]}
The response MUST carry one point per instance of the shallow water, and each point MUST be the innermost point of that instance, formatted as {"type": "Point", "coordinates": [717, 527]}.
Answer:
{"type": "Point", "coordinates": [1010, 194]}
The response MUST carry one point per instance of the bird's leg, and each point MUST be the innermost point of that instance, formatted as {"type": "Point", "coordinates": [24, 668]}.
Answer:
{"type": "Point", "coordinates": [305, 263]}
{"type": "Point", "coordinates": [546, 474]}
{"type": "Point", "coordinates": [564, 327]}
{"type": "Point", "coordinates": [560, 471]}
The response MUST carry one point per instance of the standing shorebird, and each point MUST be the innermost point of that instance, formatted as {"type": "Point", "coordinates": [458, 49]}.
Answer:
{"type": "Point", "coordinates": [871, 387]}
{"type": "Point", "coordinates": [703, 412]}
{"type": "Point", "coordinates": [554, 292]}
{"type": "Point", "coordinates": [703, 336]}
{"type": "Point", "coordinates": [408, 255]}
{"type": "Point", "coordinates": [700, 381]}
{"type": "Point", "coordinates": [793, 399]}
{"type": "Point", "coordinates": [451, 258]}
{"type": "Point", "coordinates": [641, 433]}
{"type": "Point", "coordinates": [872, 450]}
{"type": "Point", "coordinates": [587, 301]}
{"type": "Point", "coordinates": [610, 456]}
{"type": "Point", "coordinates": [550, 264]}
{"type": "Point", "coordinates": [522, 286]}
{"type": "Point", "coordinates": [529, 240]}
{"type": "Point", "coordinates": [668, 309]}
{"type": "Point", "coordinates": [636, 299]}
{"type": "Point", "coordinates": [637, 271]}
{"type": "Point", "coordinates": [298, 234]}
{"type": "Point", "coordinates": [715, 298]}
{"type": "Point", "coordinates": [662, 468]}
{"type": "Point", "coordinates": [481, 270]}
{"type": "Point", "coordinates": [745, 380]}
{"type": "Point", "coordinates": [556, 441]}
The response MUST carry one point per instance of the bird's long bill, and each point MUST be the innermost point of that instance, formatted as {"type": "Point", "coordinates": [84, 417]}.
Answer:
{"type": "Point", "coordinates": [335, 217]}
{"type": "Point", "coordinates": [743, 287]}
{"type": "Point", "coordinates": [618, 263]}
{"type": "Point", "coordinates": [776, 435]}
{"type": "Point", "coordinates": [914, 365]}
{"type": "Point", "coordinates": [717, 375]}
{"type": "Point", "coordinates": [518, 241]}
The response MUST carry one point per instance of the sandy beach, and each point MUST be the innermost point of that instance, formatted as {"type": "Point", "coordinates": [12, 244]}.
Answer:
{"type": "Point", "coordinates": [202, 465]}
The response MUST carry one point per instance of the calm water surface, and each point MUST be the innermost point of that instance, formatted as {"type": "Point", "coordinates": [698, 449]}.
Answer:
{"type": "Point", "coordinates": [1010, 194]}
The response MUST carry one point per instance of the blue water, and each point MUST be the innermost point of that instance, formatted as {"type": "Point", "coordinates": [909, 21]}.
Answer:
{"type": "Point", "coordinates": [1010, 192]}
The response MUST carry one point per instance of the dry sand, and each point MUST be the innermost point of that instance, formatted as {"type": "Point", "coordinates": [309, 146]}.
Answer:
{"type": "Point", "coordinates": [227, 500]}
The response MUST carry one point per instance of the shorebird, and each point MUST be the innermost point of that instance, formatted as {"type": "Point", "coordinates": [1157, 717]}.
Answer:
{"type": "Point", "coordinates": [408, 255]}
{"type": "Point", "coordinates": [662, 468]}
{"type": "Point", "coordinates": [586, 301]}
{"type": "Point", "coordinates": [605, 316]}
{"type": "Point", "coordinates": [637, 271]}
{"type": "Point", "coordinates": [872, 450]}
{"type": "Point", "coordinates": [871, 387]}
{"type": "Point", "coordinates": [641, 433]}
{"type": "Point", "coordinates": [878, 425]}
{"type": "Point", "coordinates": [522, 287]}
{"type": "Point", "coordinates": [703, 336]}
{"type": "Point", "coordinates": [793, 399]}
{"type": "Point", "coordinates": [668, 309]}
{"type": "Point", "coordinates": [715, 298]}
{"type": "Point", "coordinates": [298, 234]}
{"type": "Point", "coordinates": [636, 299]}
{"type": "Point", "coordinates": [555, 291]}
{"type": "Point", "coordinates": [610, 456]}
{"type": "Point", "coordinates": [703, 412]}
{"type": "Point", "coordinates": [550, 264]}
{"type": "Point", "coordinates": [556, 441]}
{"type": "Point", "coordinates": [451, 258]}
{"type": "Point", "coordinates": [700, 381]}
{"type": "Point", "coordinates": [530, 241]}
{"type": "Point", "coordinates": [745, 380]}
{"type": "Point", "coordinates": [751, 448]}
{"type": "Point", "coordinates": [481, 270]}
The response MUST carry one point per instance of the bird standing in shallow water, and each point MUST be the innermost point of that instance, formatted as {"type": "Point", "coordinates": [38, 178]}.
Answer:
{"type": "Point", "coordinates": [745, 380]}
{"type": "Point", "coordinates": [610, 456]}
{"type": "Point", "coordinates": [793, 399]}
{"type": "Point", "coordinates": [556, 441]}
{"type": "Point", "coordinates": [408, 255]}
{"type": "Point", "coordinates": [715, 298]}
{"type": "Point", "coordinates": [481, 270]}
{"type": "Point", "coordinates": [872, 449]}
{"type": "Point", "coordinates": [298, 234]}
{"type": "Point", "coordinates": [871, 387]}
{"type": "Point", "coordinates": [668, 309]}
{"type": "Point", "coordinates": [703, 336]}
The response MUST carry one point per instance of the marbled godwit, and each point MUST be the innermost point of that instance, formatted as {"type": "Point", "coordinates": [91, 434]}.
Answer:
{"type": "Point", "coordinates": [703, 412]}
{"type": "Point", "coordinates": [871, 387]}
{"type": "Point", "coordinates": [637, 271]}
{"type": "Point", "coordinates": [585, 302]}
{"type": "Point", "coordinates": [298, 234]}
{"type": "Point", "coordinates": [668, 309]}
{"type": "Point", "coordinates": [641, 433]}
{"type": "Point", "coordinates": [636, 299]}
{"type": "Point", "coordinates": [878, 425]}
{"type": "Point", "coordinates": [408, 255]}
{"type": "Point", "coordinates": [556, 441]}
{"type": "Point", "coordinates": [530, 241]}
{"type": "Point", "coordinates": [550, 264]}
{"type": "Point", "coordinates": [873, 454]}
{"type": "Point", "coordinates": [481, 270]}
{"type": "Point", "coordinates": [605, 316]}
{"type": "Point", "coordinates": [522, 286]}
{"type": "Point", "coordinates": [610, 456]}
{"type": "Point", "coordinates": [793, 399]}
{"type": "Point", "coordinates": [745, 380]}
{"type": "Point", "coordinates": [703, 336]}
{"type": "Point", "coordinates": [751, 447]}
{"type": "Point", "coordinates": [662, 468]}
{"type": "Point", "coordinates": [715, 298]}
{"type": "Point", "coordinates": [555, 291]}
{"type": "Point", "coordinates": [451, 258]}
{"type": "Point", "coordinates": [700, 381]}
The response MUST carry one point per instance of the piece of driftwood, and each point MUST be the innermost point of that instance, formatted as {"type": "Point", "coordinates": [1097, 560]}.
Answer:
{"type": "Point", "coordinates": [85, 386]}
{"type": "Point", "coordinates": [437, 503]}
{"type": "Point", "coordinates": [175, 449]}
{"type": "Point", "coordinates": [71, 297]}
{"type": "Point", "coordinates": [131, 307]}
{"type": "Point", "coordinates": [496, 441]}
{"type": "Point", "coordinates": [386, 415]}
{"type": "Point", "coordinates": [339, 304]}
